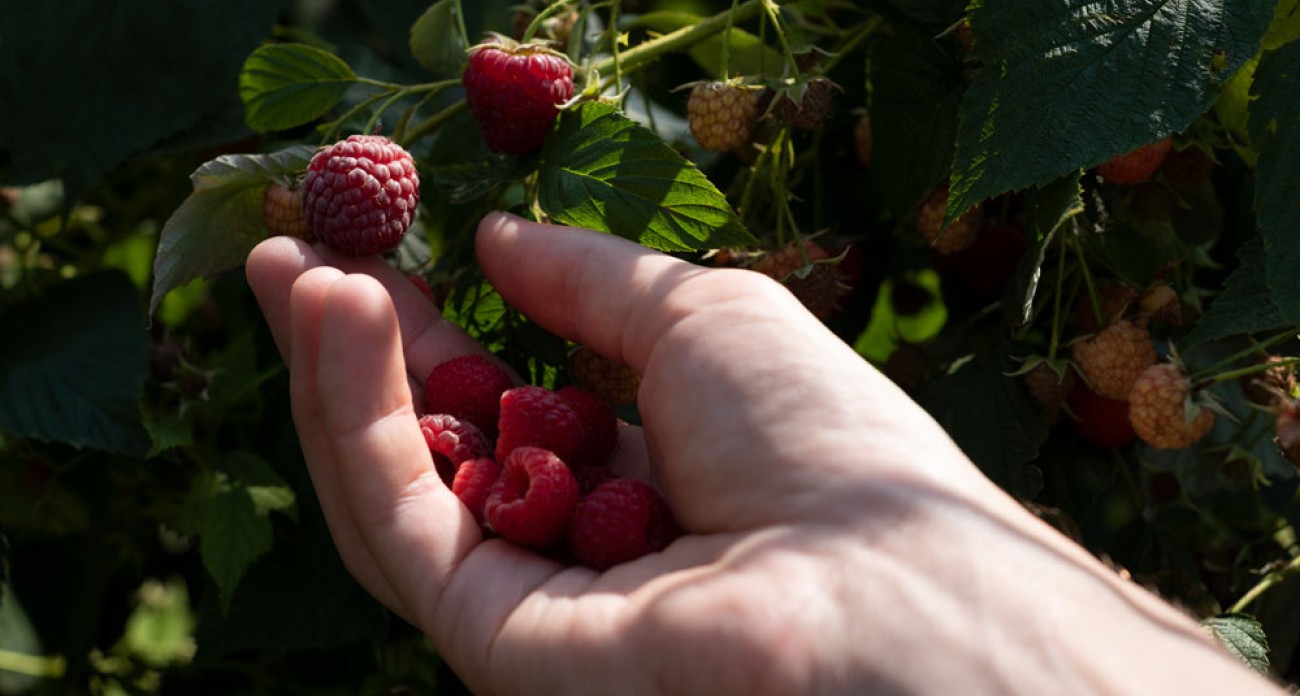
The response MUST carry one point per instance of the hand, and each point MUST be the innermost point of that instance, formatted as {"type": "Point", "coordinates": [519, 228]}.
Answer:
{"type": "Point", "coordinates": [837, 541]}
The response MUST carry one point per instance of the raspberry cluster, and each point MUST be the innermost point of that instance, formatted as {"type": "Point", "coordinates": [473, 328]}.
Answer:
{"type": "Point", "coordinates": [531, 465]}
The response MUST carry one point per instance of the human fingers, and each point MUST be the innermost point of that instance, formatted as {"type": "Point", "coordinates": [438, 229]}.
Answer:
{"type": "Point", "coordinates": [428, 339]}
{"type": "Point", "coordinates": [743, 392]}
{"type": "Point", "coordinates": [302, 335]}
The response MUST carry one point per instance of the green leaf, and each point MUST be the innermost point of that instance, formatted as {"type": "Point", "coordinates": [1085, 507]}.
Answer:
{"type": "Point", "coordinates": [1275, 135]}
{"type": "Point", "coordinates": [1241, 635]}
{"type": "Point", "coordinates": [1071, 84]}
{"type": "Point", "coordinates": [464, 182]}
{"type": "Point", "coordinates": [932, 12]}
{"type": "Point", "coordinates": [748, 55]}
{"type": "Point", "coordinates": [328, 607]}
{"type": "Point", "coordinates": [1003, 433]}
{"type": "Point", "coordinates": [602, 171]}
{"type": "Point", "coordinates": [916, 89]}
{"type": "Point", "coordinates": [435, 41]}
{"type": "Point", "coordinates": [216, 226]}
{"type": "Point", "coordinates": [73, 364]}
{"type": "Point", "coordinates": [478, 309]}
{"type": "Point", "coordinates": [229, 507]}
{"type": "Point", "coordinates": [287, 85]}
{"type": "Point", "coordinates": [1046, 209]}
{"type": "Point", "coordinates": [99, 82]}
{"type": "Point", "coordinates": [1244, 307]}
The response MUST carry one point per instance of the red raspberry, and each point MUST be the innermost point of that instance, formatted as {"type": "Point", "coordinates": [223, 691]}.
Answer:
{"type": "Point", "coordinates": [806, 105]}
{"type": "Point", "coordinates": [282, 212]}
{"type": "Point", "coordinates": [599, 421]}
{"type": "Point", "coordinates": [1136, 166]}
{"type": "Point", "coordinates": [957, 236]}
{"type": "Point", "coordinates": [620, 521]}
{"type": "Point", "coordinates": [468, 387]}
{"type": "Point", "coordinates": [456, 440]}
{"type": "Point", "coordinates": [537, 417]}
{"type": "Point", "coordinates": [1158, 409]}
{"type": "Point", "coordinates": [1099, 421]}
{"type": "Point", "coordinates": [514, 92]}
{"type": "Point", "coordinates": [819, 286]}
{"type": "Point", "coordinates": [614, 382]}
{"type": "Point", "coordinates": [533, 499]}
{"type": "Point", "coordinates": [1161, 303]}
{"type": "Point", "coordinates": [721, 114]}
{"type": "Point", "coordinates": [359, 194]}
{"type": "Point", "coordinates": [473, 482]}
{"type": "Point", "coordinates": [1112, 360]}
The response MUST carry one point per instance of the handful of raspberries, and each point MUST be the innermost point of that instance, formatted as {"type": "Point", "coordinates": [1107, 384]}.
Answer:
{"type": "Point", "coordinates": [531, 465]}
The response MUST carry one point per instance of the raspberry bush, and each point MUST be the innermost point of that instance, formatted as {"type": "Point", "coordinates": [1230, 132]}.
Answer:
{"type": "Point", "coordinates": [969, 198]}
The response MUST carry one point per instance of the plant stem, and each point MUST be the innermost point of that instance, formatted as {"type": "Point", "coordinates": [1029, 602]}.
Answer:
{"type": "Point", "coordinates": [1251, 370]}
{"type": "Point", "coordinates": [551, 11]}
{"type": "Point", "coordinates": [1055, 341]}
{"type": "Point", "coordinates": [32, 665]}
{"type": "Point", "coordinates": [1254, 348]}
{"type": "Point", "coordinates": [686, 36]}
{"type": "Point", "coordinates": [1087, 279]}
{"type": "Point", "coordinates": [868, 28]}
{"type": "Point", "coordinates": [1264, 585]}
{"type": "Point", "coordinates": [434, 122]}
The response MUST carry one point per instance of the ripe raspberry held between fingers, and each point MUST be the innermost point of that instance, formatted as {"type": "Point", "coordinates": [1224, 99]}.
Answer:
{"type": "Point", "coordinates": [514, 92]}
{"type": "Point", "coordinates": [619, 521]}
{"type": "Point", "coordinates": [469, 388]}
{"type": "Point", "coordinates": [532, 499]}
{"type": "Point", "coordinates": [359, 195]}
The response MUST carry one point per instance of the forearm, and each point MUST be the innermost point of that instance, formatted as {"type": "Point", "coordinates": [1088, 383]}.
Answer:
{"type": "Point", "coordinates": [1005, 605]}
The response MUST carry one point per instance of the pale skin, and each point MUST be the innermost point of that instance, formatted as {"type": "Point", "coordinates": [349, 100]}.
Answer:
{"type": "Point", "coordinates": [836, 540]}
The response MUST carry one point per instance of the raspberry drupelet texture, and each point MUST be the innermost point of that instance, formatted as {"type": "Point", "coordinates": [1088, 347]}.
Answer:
{"type": "Point", "coordinates": [721, 114]}
{"type": "Point", "coordinates": [282, 212]}
{"type": "Point", "coordinates": [359, 195]}
{"type": "Point", "coordinates": [538, 417]}
{"type": "Point", "coordinates": [819, 288]}
{"type": "Point", "coordinates": [612, 381]}
{"type": "Point", "coordinates": [1112, 360]}
{"type": "Point", "coordinates": [456, 440]}
{"type": "Point", "coordinates": [621, 520]}
{"type": "Point", "coordinates": [514, 93]}
{"type": "Point", "coordinates": [1158, 409]}
{"type": "Point", "coordinates": [532, 500]}
{"type": "Point", "coordinates": [473, 482]}
{"type": "Point", "coordinates": [469, 388]}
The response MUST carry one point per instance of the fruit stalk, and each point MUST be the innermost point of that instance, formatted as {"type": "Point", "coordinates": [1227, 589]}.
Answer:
{"type": "Point", "coordinates": [1253, 349]}
{"type": "Point", "coordinates": [685, 37]}
{"type": "Point", "coordinates": [1264, 585]}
